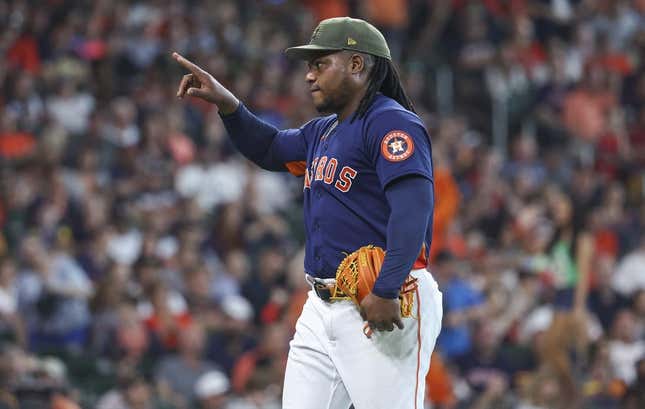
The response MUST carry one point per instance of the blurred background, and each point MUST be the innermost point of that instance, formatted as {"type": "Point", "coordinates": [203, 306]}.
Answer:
{"type": "Point", "coordinates": [145, 264]}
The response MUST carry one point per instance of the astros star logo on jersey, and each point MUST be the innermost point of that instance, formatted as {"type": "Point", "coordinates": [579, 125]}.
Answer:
{"type": "Point", "coordinates": [397, 146]}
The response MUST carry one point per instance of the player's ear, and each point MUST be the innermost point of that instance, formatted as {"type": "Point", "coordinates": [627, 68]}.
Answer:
{"type": "Point", "coordinates": [357, 64]}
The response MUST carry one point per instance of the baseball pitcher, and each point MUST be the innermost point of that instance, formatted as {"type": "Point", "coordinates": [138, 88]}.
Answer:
{"type": "Point", "coordinates": [370, 323]}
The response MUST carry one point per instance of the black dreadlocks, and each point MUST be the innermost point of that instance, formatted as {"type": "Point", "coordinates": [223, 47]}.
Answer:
{"type": "Point", "coordinates": [383, 78]}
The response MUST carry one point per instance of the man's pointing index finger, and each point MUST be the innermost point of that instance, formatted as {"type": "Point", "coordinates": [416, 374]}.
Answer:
{"type": "Point", "coordinates": [187, 64]}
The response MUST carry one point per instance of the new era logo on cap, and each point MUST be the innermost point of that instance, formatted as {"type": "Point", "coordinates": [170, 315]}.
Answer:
{"type": "Point", "coordinates": [314, 35]}
{"type": "Point", "coordinates": [351, 41]}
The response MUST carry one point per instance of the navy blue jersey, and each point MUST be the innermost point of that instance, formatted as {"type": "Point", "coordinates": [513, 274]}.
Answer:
{"type": "Point", "coordinates": [347, 166]}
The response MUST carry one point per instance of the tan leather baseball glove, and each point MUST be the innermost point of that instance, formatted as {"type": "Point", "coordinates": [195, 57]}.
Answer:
{"type": "Point", "coordinates": [357, 273]}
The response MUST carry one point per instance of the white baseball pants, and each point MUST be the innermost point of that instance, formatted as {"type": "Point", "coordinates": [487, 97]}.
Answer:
{"type": "Point", "coordinates": [332, 364]}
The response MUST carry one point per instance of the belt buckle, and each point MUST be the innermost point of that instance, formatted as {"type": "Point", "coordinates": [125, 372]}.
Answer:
{"type": "Point", "coordinates": [322, 291]}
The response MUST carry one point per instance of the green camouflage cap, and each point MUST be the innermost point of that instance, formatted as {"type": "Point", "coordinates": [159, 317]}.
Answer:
{"type": "Point", "coordinates": [342, 33]}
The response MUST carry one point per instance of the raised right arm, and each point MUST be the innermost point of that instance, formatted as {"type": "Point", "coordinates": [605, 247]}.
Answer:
{"type": "Point", "coordinates": [259, 141]}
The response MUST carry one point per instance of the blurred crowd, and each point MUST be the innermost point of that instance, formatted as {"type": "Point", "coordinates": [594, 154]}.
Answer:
{"type": "Point", "coordinates": [144, 264]}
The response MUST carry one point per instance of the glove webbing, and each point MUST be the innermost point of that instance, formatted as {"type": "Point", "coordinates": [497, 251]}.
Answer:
{"type": "Point", "coordinates": [351, 285]}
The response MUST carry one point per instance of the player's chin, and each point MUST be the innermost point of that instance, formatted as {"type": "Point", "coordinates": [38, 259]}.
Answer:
{"type": "Point", "coordinates": [317, 99]}
{"type": "Point", "coordinates": [322, 106]}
